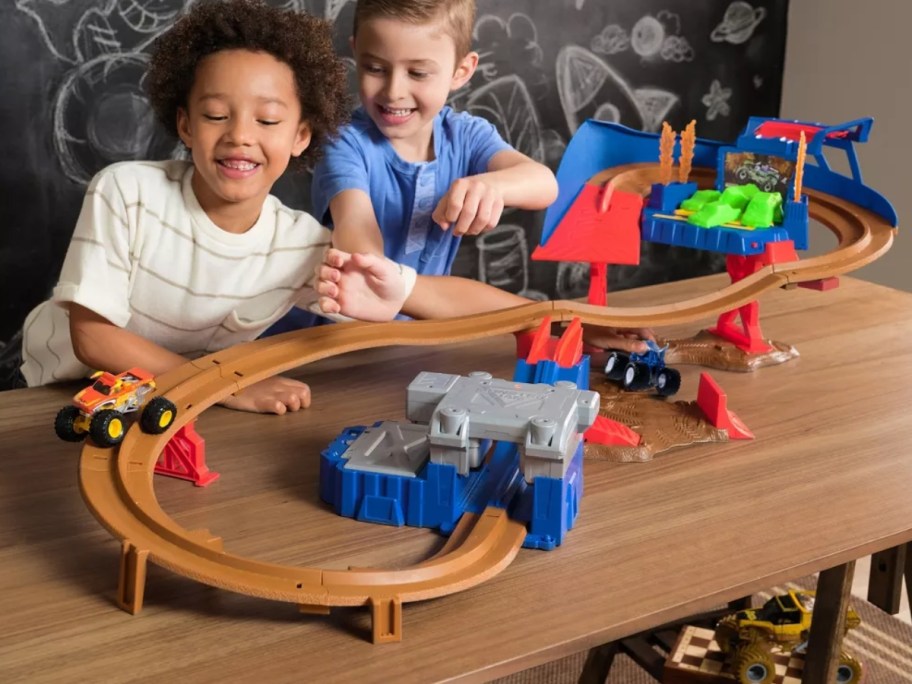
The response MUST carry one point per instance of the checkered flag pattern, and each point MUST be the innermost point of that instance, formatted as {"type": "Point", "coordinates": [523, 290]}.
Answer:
{"type": "Point", "coordinates": [698, 654]}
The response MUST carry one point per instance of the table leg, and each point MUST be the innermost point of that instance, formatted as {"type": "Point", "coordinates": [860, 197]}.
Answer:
{"type": "Point", "coordinates": [828, 626]}
{"type": "Point", "coordinates": [908, 574]}
{"type": "Point", "coordinates": [598, 663]}
{"type": "Point", "coordinates": [885, 581]}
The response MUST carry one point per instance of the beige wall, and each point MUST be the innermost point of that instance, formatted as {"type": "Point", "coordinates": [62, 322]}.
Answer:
{"type": "Point", "coordinates": [847, 59]}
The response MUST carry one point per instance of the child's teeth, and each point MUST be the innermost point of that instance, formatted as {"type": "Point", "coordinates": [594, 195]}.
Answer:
{"type": "Point", "coordinates": [240, 165]}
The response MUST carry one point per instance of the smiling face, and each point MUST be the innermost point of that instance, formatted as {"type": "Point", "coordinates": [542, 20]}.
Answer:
{"type": "Point", "coordinates": [405, 74]}
{"type": "Point", "coordinates": [242, 125]}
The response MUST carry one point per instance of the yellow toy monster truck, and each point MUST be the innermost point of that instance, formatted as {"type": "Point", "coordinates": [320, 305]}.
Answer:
{"type": "Point", "coordinates": [784, 622]}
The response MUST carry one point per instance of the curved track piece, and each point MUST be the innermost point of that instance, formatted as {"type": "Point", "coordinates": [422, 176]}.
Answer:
{"type": "Point", "coordinates": [117, 483]}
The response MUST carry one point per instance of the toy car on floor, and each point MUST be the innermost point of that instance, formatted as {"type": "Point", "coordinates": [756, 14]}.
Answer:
{"type": "Point", "coordinates": [98, 410]}
{"type": "Point", "coordinates": [783, 622]}
{"type": "Point", "coordinates": [638, 372]}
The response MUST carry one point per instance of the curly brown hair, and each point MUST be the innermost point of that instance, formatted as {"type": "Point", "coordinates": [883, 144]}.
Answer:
{"type": "Point", "coordinates": [302, 41]}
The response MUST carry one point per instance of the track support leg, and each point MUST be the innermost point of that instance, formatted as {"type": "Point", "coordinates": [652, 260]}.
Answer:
{"type": "Point", "coordinates": [386, 619]}
{"type": "Point", "coordinates": [131, 584]}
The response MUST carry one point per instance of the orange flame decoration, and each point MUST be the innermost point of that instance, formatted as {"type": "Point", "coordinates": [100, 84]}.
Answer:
{"type": "Point", "coordinates": [666, 148]}
{"type": "Point", "coordinates": [799, 165]}
{"type": "Point", "coordinates": [688, 142]}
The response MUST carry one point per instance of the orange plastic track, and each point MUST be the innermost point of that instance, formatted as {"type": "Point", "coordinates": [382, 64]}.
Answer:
{"type": "Point", "coordinates": [117, 483]}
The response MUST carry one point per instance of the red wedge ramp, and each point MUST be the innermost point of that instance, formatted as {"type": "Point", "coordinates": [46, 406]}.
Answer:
{"type": "Point", "coordinates": [184, 457]}
{"type": "Point", "coordinates": [611, 433]}
{"type": "Point", "coordinates": [714, 403]}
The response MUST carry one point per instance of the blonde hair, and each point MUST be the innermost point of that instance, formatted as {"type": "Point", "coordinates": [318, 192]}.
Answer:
{"type": "Point", "coordinates": [458, 16]}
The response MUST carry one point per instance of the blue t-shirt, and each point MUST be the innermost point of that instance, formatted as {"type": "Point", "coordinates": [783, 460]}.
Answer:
{"type": "Point", "coordinates": [405, 194]}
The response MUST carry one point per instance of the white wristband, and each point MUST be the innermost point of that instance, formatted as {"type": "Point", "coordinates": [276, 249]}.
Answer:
{"type": "Point", "coordinates": [409, 278]}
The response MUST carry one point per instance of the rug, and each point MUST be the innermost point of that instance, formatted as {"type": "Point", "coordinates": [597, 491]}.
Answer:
{"type": "Point", "coordinates": [882, 643]}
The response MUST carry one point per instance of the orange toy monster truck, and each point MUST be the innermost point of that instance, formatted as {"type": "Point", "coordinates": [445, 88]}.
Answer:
{"type": "Point", "coordinates": [98, 410]}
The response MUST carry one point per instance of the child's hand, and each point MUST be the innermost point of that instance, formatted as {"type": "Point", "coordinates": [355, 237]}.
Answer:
{"type": "Point", "coordinates": [364, 286]}
{"type": "Point", "coordinates": [471, 206]}
{"type": "Point", "coordinates": [272, 395]}
{"type": "Point", "coordinates": [623, 339]}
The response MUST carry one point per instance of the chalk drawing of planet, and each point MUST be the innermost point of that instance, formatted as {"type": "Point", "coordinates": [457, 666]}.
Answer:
{"type": "Point", "coordinates": [647, 36]}
{"type": "Point", "coordinates": [738, 24]}
{"type": "Point", "coordinates": [102, 116]}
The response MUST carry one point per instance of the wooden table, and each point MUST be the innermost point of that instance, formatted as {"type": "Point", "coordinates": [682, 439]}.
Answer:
{"type": "Point", "coordinates": [826, 481]}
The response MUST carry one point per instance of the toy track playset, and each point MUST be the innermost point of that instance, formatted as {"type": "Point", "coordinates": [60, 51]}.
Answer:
{"type": "Point", "coordinates": [498, 463]}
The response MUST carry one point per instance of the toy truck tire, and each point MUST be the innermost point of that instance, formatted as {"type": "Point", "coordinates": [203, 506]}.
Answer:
{"type": "Point", "coordinates": [726, 634]}
{"type": "Point", "coordinates": [65, 425]}
{"type": "Point", "coordinates": [614, 366]}
{"type": "Point", "coordinates": [107, 428]}
{"type": "Point", "coordinates": [849, 670]}
{"type": "Point", "coordinates": [668, 382]}
{"type": "Point", "coordinates": [157, 416]}
{"type": "Point", "coordinates": [636, 377]}
{"type": "Point", "coordinates": [753, 664]}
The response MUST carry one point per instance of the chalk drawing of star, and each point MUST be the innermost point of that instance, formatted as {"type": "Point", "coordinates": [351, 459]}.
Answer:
{"type": "Point", "coordinates": [716, 101]}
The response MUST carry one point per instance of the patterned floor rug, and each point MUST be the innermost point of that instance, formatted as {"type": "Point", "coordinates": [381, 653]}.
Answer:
{"type": "Point", "coordinates": [882, 643]}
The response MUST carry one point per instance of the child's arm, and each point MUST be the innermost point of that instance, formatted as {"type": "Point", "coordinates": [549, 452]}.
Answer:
{"type": "Point", "coordinates": [368, 287]}
{"type": "Point", "coordinates": [474, 204]}
{"type": "Point", "coordinates": [449, 296]}
{"type": "Point", "coordinates": [624, 339]}
{"type": "Point", "coordinates": [355, 227]}
{"type": "Point", "coordinates": [98, 343]}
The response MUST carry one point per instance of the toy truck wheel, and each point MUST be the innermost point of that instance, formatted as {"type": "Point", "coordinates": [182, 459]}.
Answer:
{"type": "Point", "coordinates": [668, 382]}
{"type": "Point", "coordinates": [614, 366]}
{"type": "Point", "coordinates": [107, 428]}
{"type": "Point", "coordinates": [158, 416]}
{"type": "Point", "coordinates": [727, 633]}
{"type": "Point", "coordinates": [753, 664]}
{"type": "Point", "coordinates": [65, 425]}
{"type": "Point", "coordinates": [849, 670]}
{"type": "Point", "coordinates": [636, 377]}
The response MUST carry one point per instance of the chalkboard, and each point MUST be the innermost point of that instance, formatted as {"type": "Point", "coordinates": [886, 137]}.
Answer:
{"type": "Point", "coordinates": [71, 102]}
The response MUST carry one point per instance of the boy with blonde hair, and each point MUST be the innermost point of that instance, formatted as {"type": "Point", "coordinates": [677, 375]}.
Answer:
{"type": "Point", "coordinates": [410, 176]}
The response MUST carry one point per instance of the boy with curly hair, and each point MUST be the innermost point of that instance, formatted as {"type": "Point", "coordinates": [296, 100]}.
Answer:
{"type": "Point", "coordinates": [176, 259]}
{"type": "Point", "coordinates": [410, 176]}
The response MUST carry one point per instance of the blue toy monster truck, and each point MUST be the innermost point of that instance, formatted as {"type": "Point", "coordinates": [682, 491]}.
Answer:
{"type": "Point", "coordinates": [641, 371]}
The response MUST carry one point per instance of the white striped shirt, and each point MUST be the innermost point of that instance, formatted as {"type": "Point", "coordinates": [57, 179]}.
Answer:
{"type": "Point", "coordinates": [145, 256]}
